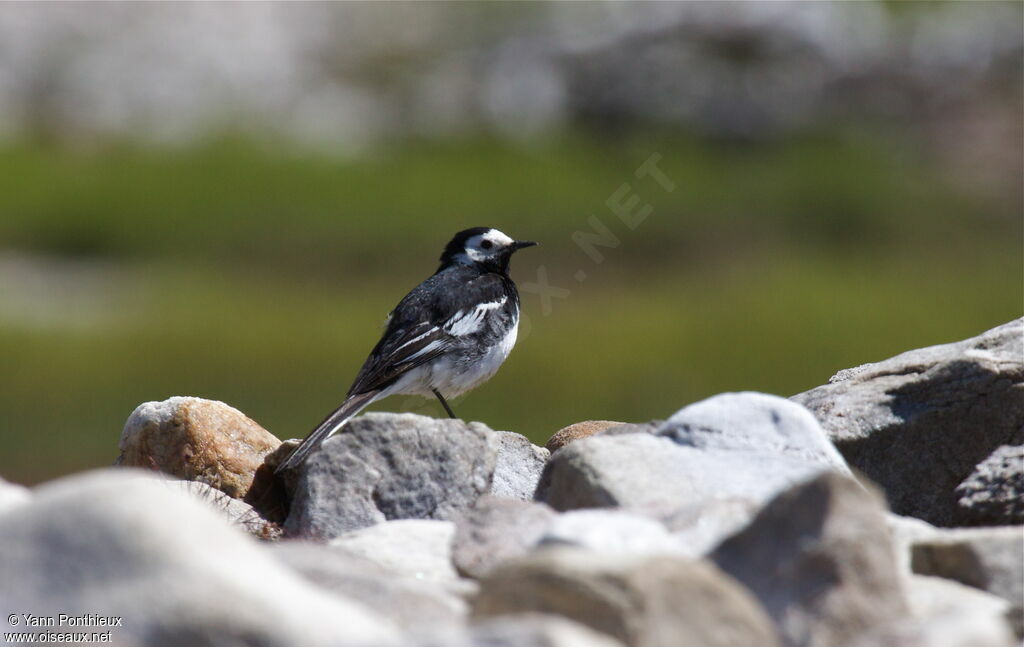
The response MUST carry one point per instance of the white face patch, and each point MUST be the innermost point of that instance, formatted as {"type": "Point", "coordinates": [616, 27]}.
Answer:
{"type": "Point", "coordinates": [487, 245]}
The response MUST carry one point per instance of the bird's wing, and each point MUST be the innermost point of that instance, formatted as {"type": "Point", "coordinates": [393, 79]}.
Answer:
{"type": "Point", "coordinates": [388, 362]}
{"type": "Point", "coordinates": [437, 315]}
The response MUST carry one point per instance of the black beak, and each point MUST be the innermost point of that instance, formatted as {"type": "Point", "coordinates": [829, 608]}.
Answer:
{"type": "Point", "coordinates": [520, 244]}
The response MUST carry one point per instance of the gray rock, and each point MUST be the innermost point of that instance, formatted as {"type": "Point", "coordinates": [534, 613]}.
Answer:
{"type": "Point", "coordinates": [993, 494]}
{"type": "Point", "coordinates": [699, 527]}
{"type": "Point", "coordinates": [931, 597]}
{"type": "Point", "coordinates": [944, 613]}
{"type": "Point", "coordinates": [518, 466]}
{"type": "Point", "coordinates": [415, 605]}
{"type": "Point", "coordinates": [950, 631]}
{"type": "Point", "coordinates": [905, 531]}
{"type": "Point", "coordinates": [524, 630]}
{"type": "Point", "coordinates": [12, 495]}
{"type": "Point", "coordinates": [648, 602]}
{"type": "Point", "coordinates": [755, 423]}
{"type": "Point", "coordinates": [116, 542]}
{"type": "Point", "coordinates": [612, 532]}
{"type": "Point", "coordinates": [918, 423]}
{"type": "Point", "coordinates": [536, 630]}
{"type": "Point", "coordinates": [496, 530]}
{"type": "Point", "coordinates": [948, 614]}
{"type": "Point", "coordinates": [388, 466]}
{"type": "Point", "coordinates": [745, 446]}
{"type": "Point", "coordinates": [986, 559]}
{"type": "Point", "coordinates": [417, 548]}
{"type": "Point", "coordinates": [325, 565]}
{"type": "Point", "coordinates": [820, 559]}
{"type": "Point", "coordinates": [646, 472]}
{"type": "Point", "coordinates": [990, 559]}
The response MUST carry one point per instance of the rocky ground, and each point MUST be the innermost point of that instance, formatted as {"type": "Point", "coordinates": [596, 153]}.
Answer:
{"type": "Point", "coordinates": [883, 508]}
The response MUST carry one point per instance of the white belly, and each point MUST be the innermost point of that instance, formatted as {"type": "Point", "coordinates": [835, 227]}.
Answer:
{"type": "Point", "coordinates": [456, 380]}
{"type": "Point", "coordinates": [452, 377]}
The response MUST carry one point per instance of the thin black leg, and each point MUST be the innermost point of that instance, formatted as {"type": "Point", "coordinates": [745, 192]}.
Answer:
{"type": "Point", "coordinates": [451, 414]}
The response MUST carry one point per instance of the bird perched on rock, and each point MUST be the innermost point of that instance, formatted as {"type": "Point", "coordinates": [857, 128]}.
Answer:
{"type": "Point", "coordinates": [447, 336]}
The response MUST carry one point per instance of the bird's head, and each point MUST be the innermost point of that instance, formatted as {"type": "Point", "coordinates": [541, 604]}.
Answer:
{"type": "Point", "coordinates": [485, 247]}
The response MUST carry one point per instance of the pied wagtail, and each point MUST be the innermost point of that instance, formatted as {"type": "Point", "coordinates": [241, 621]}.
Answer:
{"type": "Point", "coordinates": [447, 336]}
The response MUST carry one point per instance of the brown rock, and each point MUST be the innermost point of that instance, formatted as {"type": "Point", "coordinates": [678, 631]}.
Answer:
{"type": "Point", "coordinates": [644, 602]}
{"type": "Point", "coordinates": [566, 435]}
{"type": "Point", "coordinates": [271, 493]}
{"type": "Point", "coordinates": [197, 440]}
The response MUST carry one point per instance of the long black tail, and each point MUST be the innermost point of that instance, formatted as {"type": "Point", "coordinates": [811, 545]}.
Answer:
{"type": "Point", "coordinates": [332, 423]}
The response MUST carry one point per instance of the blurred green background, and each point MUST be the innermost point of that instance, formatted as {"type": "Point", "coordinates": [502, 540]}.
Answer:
{"type": "Point", "coordinates": [844, 191]}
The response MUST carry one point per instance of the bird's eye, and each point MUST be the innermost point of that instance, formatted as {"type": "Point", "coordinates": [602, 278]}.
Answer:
{"type": "Point", "coordinates": [487, 244]}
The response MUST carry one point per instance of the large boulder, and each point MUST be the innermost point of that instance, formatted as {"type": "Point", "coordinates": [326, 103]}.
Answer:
{"type": "Point", "coordinates": [387, 466]}
{"type": "Point", "coordinates": [644, 602]}
{"type": "Point", "coordinates": [919, 423]}
{"type": "Point", "coordinates": [733, 446]}
{"type": "Point", "coordinates": [820, 559]}
{"type": "Point", "coordinates": [119, 543]}
{"type": "Point", "coordinates": [196, 440]}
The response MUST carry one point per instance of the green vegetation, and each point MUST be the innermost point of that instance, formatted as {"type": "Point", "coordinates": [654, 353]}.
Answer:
{"type": "Point", "coordinates": [261, 278]}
